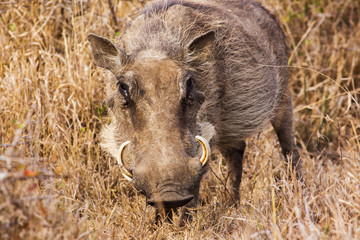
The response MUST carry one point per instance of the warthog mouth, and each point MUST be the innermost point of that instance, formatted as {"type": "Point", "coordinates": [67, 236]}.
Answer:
{"type": "Point", "coordinates": [170, 199]}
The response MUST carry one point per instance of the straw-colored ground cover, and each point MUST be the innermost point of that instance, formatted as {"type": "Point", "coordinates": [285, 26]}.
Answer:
{"type": "Point", "coordinates": [56, 183]}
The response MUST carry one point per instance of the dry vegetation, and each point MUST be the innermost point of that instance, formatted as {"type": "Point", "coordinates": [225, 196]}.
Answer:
{"type": "Point", "coordinates": [55, 183]}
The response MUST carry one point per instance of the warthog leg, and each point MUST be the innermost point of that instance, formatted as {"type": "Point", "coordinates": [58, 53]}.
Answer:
{"type": "Point", "coordinates": [282, 124]}
{"type": "Point", "coordinates": [234, 162]}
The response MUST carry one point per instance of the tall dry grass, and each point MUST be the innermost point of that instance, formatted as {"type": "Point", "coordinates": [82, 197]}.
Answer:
{"type": "Point", "coordinates": [55, 183]}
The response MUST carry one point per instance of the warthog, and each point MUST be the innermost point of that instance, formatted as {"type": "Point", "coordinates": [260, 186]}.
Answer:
{"type": "Point", "coordinates": [187, 76]}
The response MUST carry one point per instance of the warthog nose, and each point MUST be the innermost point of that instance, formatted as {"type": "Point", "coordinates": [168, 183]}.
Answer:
{"type": "Point", "coordinates": [170, 201]}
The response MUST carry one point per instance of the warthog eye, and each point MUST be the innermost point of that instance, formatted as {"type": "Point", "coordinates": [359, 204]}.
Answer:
{"type": "Point", "coordinates": [124, 90]}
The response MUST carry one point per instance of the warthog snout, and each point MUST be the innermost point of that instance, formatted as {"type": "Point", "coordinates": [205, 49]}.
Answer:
{"type": "Point", "coordinates": [162, 181]}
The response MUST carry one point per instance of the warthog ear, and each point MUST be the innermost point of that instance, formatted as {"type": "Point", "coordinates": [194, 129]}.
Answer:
{"type": "Point", "coordinates": [200, 49]}
{"type": "Point", "coordinates": [106, 53]}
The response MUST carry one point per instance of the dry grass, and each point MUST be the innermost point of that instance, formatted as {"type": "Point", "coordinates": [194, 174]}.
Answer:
{"type": "Point", "coordinates": [55, 183]}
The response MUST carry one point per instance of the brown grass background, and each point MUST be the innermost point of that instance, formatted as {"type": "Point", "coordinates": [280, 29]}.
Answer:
{"type": "Point", "coordinates": [56, 183]}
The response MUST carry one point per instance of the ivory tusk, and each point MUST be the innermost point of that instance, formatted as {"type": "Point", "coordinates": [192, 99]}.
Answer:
{"type": "Point", "coordinates": [120, 159]}
{"type": "Point", "coordinates": [206, 151]}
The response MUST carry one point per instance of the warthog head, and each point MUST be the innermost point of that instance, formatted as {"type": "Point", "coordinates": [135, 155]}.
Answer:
{"type": "Point", "coordinates": [155, 135]}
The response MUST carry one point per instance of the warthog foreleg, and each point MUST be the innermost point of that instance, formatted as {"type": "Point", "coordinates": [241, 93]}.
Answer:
{"type": "Point", "coordinates": [234, 162]}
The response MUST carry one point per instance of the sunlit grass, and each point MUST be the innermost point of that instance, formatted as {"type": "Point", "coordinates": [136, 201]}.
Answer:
{"type": "Point", "coordinates": [56, 183]}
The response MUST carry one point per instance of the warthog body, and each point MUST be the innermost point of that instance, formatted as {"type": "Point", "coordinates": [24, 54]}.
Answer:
{"type": "Point", "coordinates": [213, 68]}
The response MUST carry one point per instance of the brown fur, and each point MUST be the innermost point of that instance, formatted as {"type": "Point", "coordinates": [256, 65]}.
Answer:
{"type": "Point", "coordinates": [235, 55]}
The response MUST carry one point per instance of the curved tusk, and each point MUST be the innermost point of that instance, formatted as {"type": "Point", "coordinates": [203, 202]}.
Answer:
{"type": "Point", "coordinates": [206, 151]}
{"type": "Point", "coordinates": [127, 175]}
